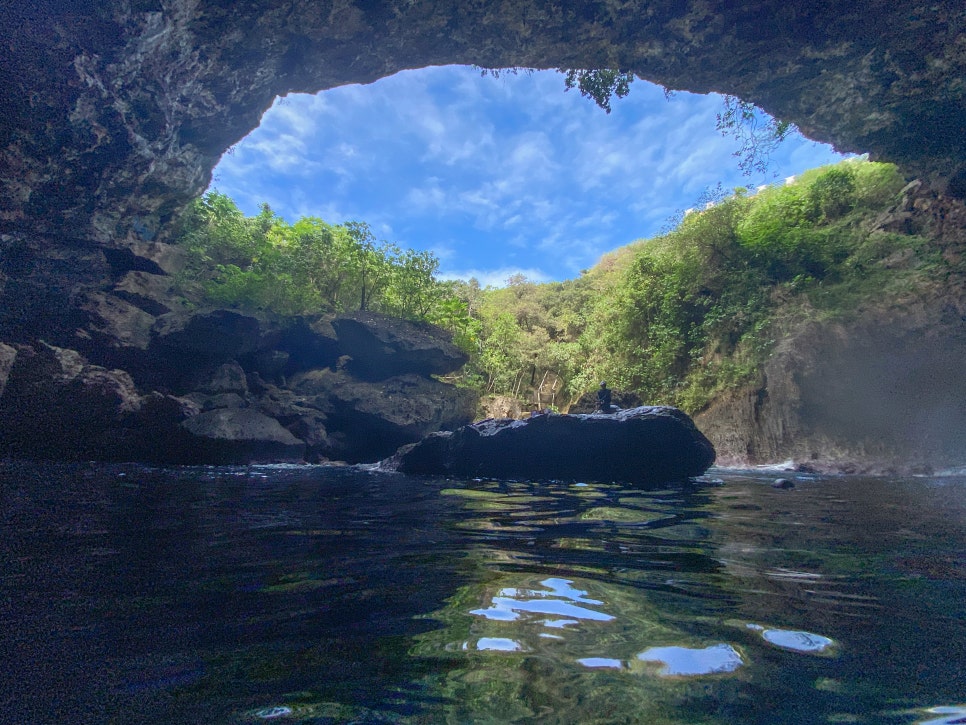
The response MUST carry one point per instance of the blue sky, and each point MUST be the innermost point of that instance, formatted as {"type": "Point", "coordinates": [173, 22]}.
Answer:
{"type": "Point", "coordinates": [496, 176]}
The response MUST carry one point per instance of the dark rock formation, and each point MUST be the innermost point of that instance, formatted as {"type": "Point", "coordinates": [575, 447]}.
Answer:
{"type": "Point", "coordinates": [113, 114]}
{"type": "Point", "coordinates": [643, 446]}
{"type": "Point", "coordinates": [380, 347]}
{"type": "Point", "coordinates": [372, 421]}
{"type": "Point", "coordinates": [587, 403]}
{"type": "Point", "coordinates": [880, 394]}
{"type": "Point", "coordinates": [55, 404]}
{"type": "Point", "coordinates": [240, 435]}
{"type": "Point", "coordinates": [102, 361]}
{"type": "Point", "coordinates": [197, 395]}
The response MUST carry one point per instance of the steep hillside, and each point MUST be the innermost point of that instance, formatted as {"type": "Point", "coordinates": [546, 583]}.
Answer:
{"type": "Point", "coordinates": [821, 320]}
{"type": "Point", "coordinates": [878, 387]}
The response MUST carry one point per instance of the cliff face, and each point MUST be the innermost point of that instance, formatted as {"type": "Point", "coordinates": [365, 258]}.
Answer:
{"type": "Point", "coordinates": [881, 391]}
{"type": "Point", "coordinates": [878, 395]}
{"type": "Point", "coordinates": [113, 113]}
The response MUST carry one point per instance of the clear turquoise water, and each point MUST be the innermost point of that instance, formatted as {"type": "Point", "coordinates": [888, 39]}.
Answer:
{"type": "Point", "coordinates": [334, 595]}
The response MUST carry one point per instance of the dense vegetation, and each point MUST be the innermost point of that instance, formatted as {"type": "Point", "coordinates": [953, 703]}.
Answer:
{"type": "Point", "coordinates": [696, 311]}
{"type": "Point", "coordinates": [676, 319]}
{"type": "Point", "coordinates": [309, 267]}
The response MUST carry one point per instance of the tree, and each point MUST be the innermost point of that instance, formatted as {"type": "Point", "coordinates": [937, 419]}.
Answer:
{"type": "Point", "coordinates": [216, 232]}
{"type": "Point", "coordinates": [368, 264]}
{"type": "Point", "coordinates": [757, 133]}
{"type": "Point", "coordinates": [310, 266]}
{"type": "Point", "coordinates": [414, 291]}
{"type": "Point", "coordinates": [600, 85]}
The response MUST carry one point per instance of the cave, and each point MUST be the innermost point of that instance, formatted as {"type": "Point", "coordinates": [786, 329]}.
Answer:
{"type": "Point", "coordinates": [113, 115]}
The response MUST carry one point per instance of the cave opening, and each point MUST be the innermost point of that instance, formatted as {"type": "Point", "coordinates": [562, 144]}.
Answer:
{"type": "Point", "coordinates": [497, 176]}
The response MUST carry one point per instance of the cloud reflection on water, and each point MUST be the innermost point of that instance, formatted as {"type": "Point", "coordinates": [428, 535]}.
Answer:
{"type": "Point", "coordinates": [718, 658]}
{"type": "Point", "coordinates": [511, 602]}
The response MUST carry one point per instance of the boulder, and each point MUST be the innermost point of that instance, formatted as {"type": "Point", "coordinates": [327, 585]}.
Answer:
{"type": "Point", "coordinates": [55, 404]}
{"type": "Point", "coordinates": [212, 401]}
{"type": "Point", "coordinates": [642, 446]}
{"type": "Point", "coordinates": [187, 348]}
{"type": "Point", "coordinates": [154, 433]}
{"type": "Point", "coordinates": [381, 347]}
{"type": "Point", "coordinates": [367, 422]}
{"type": "Point", "coordinates": [216, 335]}
{"type": "Point", "coordinates": [238, 436]}
{"type": "Point", "coordinates": [222, 386]}
{"type": "Point", "coordinates": [226, 378]}
{"type": "Point", "coordinates": [270, 364]}
{"type": "Point", "coordinates": [309, 342]}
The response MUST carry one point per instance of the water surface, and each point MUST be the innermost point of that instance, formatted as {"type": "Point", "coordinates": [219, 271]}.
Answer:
{"type": "Point", "coordinates": [330, 595]}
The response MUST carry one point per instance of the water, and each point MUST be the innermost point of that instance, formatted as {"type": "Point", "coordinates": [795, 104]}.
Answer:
{"type": "Point", "coordinates": [335, 595]}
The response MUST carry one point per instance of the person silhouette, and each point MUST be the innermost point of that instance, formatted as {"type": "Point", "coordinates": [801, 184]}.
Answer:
{"type": "Point", "coordinates": [603, 398]}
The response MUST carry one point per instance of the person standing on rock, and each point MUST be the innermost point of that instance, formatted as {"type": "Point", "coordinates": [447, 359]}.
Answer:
{"type": "Point", "coordinates": [603, 398]}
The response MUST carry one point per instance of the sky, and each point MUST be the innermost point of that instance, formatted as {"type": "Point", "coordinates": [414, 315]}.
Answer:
{"type": "Point", "coordinates": [495, 176]}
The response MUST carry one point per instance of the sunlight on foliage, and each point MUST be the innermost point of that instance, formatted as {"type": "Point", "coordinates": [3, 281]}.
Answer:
{"type": "Point", "coordinates": [311, 267]}
{"type": "Point", "coordinates": [682, 317]}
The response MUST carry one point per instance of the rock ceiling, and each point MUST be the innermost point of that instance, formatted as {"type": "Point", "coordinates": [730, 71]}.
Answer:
{"type": "Point", "coordinates": [114, 112]}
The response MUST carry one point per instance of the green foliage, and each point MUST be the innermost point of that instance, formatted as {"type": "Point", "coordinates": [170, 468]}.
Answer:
{"type": "Point", "coordinates": [215, 231]}
{"type": "Point", "coordinates": [688, 295]}
{"type": "Point", "coordinates": [599, 85]}
{"type": "Point", "coordinates": [310, 266]}
{"type": "Point", "coordinates": [413, 292]}
{"type": "Point", "coordinates": [876, 185]}
{"type": "Point", "coordinates": [684, 316]}
{"type": "Point", "coordinates": [676, 319]}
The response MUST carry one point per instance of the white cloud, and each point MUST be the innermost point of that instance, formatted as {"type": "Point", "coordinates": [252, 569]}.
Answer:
{"type": "Point", "coordinates": [427, 198]}
{"type": "Point", "coordinates": [297, 114]}
{"type": "Point", "coordinates": [496, 277]}
{"type": "Point", "coordinates": [531, 157]}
